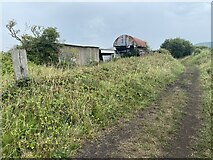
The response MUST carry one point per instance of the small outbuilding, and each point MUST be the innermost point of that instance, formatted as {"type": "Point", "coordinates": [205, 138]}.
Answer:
{"type": "Point", "coordinates": [79, 54]}
{"type": "Point", "coordinates": [125, 44]}
{"type": "Point", "coordinates": [107, 54]}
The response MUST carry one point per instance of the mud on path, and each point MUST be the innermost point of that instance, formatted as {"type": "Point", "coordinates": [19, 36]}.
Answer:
{"type": "Point", "coordinates": [164, 129]}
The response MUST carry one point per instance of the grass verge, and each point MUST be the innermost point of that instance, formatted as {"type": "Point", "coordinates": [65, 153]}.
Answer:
{"type": "Point", "coordinates": [157, 128]}
{"type": "Point", "coordinates": [203, 143]}
{"type": "Point", "coordinates": [51, 114]}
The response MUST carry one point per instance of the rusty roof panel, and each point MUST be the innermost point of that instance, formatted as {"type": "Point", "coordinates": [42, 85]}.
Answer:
{"type": "Point", "coordinates": [127, 40]}
{"type": "Point", "coordinates": [139, 42]}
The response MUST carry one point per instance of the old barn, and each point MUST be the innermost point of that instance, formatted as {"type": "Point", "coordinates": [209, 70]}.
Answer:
{"type": "Point", "coordinates": [125, 44]}
{"type": "Point", "coordinates": [79, 54]}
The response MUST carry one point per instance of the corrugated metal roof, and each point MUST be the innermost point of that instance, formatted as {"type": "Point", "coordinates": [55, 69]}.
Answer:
{"type": "Point", "coordinates": [139, 42]}
{"type": "Point", "coordinates": [109, 51]}
{"type": "Point", "coordinates": [78, 45]}
{"type": "Point", "coordinates": [126, 40]}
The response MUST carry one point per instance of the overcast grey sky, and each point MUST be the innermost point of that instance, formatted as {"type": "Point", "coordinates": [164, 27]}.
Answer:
{"type": "Point", "coordinates": [99, 24]}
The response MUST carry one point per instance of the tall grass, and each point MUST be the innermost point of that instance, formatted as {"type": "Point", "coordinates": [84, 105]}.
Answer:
{"type": "Point", "coordinates": [203, 148]}
{"type": "Point", "coordinates": [51, 114]}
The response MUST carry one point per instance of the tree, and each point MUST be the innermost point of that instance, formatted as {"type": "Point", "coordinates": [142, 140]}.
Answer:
{"type": "Point", "coordinates": [42, 46]}
{"type": "Point", "coordinates": [178, 47]}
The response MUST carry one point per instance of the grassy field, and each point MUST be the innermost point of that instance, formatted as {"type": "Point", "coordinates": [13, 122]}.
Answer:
{"type": "Point", "coordinates": [57, 109]}
{"type": "Point", "coordinates": [204, 141]}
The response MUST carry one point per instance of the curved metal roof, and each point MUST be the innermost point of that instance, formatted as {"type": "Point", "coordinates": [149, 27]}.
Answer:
{"type": "Point", "coordinates": [139, 42]}
{"type": "Point", "coordinates": [127, 40]}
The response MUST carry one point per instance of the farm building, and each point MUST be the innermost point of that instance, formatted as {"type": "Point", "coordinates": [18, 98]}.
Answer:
{"type": "Point", "coordinates": [81, 55]}
{"type": "Point", "coordinates": [126, 44]}
{"type": "Point", "coordinates": [107, 54]}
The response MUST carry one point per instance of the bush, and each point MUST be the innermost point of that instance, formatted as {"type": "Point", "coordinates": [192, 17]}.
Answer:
{"type": "Point", "coordinates": [197, 51]}
{"type": "Point", "coordinates": [164, 51]}
{"type": "Point", "coordinates": [6, 63]}
{"type": "Point", "coordinates": [132, 52]}
{"type": "Point", "coordinates": [42, 46]}
{"type": "Point", "coordinates": [42, 49]}
{"type": "Point", "coordinates": [178, 47]}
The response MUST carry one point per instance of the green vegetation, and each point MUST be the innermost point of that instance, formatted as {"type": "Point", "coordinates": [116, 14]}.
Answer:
{"type": "Point", "coordinates": [132, 52]}
{"type": "Point", "coordinates": [199, 49]}
{"type": "Point", "coordinates": [164, 51]}
{"type": "Point", "coordinates": [6, 64]}
{"type": "Point", "coordinates": [178, 47]}
{"type": "Point", "coordinates": [157, 127]}
{"type": "Point", "coordinates": [51, 114]}
{"type": "Point", "coordinates": [203, 148]}
{"type": "Point", "coordinates": [42, 46]}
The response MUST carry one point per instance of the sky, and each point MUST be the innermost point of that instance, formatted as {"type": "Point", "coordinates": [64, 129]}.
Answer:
{"type": "Point", "coordinates": [100, 23]}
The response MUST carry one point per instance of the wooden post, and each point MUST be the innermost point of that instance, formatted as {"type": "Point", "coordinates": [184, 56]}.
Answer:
{"type": "Point", "coordinates": [19, 58]}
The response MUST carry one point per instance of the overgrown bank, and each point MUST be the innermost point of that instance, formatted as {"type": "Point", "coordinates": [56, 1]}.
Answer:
{"type": "Point", "coordinates": [50, 115]}
{"type": "Point", "coordinates": [203, 143]}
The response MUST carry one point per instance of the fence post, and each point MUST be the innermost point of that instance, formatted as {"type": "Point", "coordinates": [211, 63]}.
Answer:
{"type": "Point", "coordinates": [19, 58]}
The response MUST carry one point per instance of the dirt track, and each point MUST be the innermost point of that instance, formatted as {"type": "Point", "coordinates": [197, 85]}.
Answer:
{"type": "Point", "coordinates": [181, 146]}
{"type": "Point", "coordinates": [129, 139]}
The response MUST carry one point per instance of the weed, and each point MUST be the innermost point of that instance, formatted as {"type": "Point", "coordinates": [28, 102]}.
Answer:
{"type": "Point", "coordinates": [203, 148]}
{"type": "Point", "coordinates": [59, 108]}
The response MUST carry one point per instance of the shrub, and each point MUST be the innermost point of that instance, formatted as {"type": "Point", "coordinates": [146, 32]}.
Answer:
{"type": "Point", "coordinates": [132, 52]}
{"type": "Point", "coordinates": [42, 46]}
{"type": "Point", "coordinates": [178, 47]}
{"type": "Point", "coordinates": [197, 51]}
{"type": "Point", "coordinates": [164, 51]}
{"type": "Point", "coordinates": [6, 63]}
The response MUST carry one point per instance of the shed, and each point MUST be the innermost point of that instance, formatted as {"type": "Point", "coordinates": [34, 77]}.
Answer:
{"type": "Point", "coordinates": [125, 43]}
{"type": "Point", "coordinates": [107, 54]}
{"type": "Point", "coordinates": [79, 54]}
